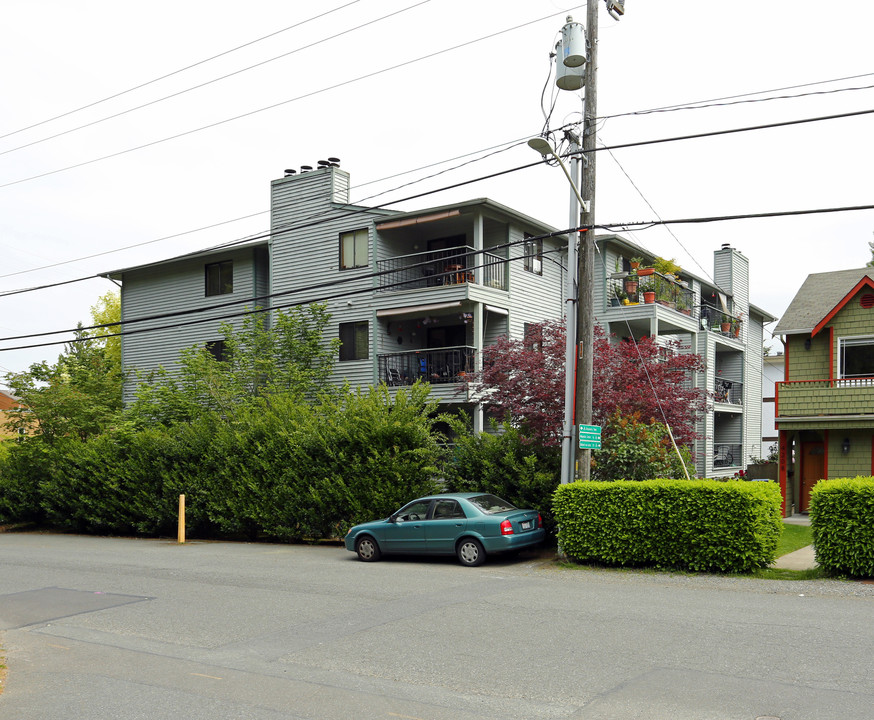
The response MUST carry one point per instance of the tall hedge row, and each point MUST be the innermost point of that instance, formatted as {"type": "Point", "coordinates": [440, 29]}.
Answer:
{"type": "Point", "coordinates": [699, 525]}
{"type": "Point", "coordinates": [842, 521]}
{"type": "Point", "coordinates": [281, 468]}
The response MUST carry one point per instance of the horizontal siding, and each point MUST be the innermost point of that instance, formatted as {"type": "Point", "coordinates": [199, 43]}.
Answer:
{"type": "Point", "coordinates": [177, 287]}
{"type": "Point", "coordinates": [534, 298]}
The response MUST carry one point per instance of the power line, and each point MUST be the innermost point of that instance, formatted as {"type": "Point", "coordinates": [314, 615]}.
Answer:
{"type": "Point", "coordinates": [257, 310]}
{"type": "Point", "coordinates": [177, 72]}
{"type": "Point", "coordinates": [357, 278]}
{"type": "Point", "coordinates": [721, 101]}
{"type": "Point", "coordinates": [497, 148]}
{"type": "Point", "coordinates": [333, 36]}
{"type": "Point", "coordinates": [281, 103]}
{"type": "Point", "coordinates": [340, 214]}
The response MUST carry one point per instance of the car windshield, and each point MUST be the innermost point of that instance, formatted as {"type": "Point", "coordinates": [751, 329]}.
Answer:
{"type": "Point", "coordinates": [490, 504]}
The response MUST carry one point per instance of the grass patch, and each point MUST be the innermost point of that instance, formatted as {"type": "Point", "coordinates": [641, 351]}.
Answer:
{"type": "Point", "coordinates": [770, 573]}
{"type": "Point", "coordinates": [794, 537]}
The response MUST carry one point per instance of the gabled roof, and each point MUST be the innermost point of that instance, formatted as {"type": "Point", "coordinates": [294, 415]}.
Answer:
{"type": "Point", "coordinates": [820, 297]}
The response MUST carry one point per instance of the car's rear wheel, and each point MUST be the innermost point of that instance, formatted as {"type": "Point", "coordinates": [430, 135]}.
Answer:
{"type": "Point", "coordinates": [470, 552]}
{"type": "Point", "coordinates": [367, 549]}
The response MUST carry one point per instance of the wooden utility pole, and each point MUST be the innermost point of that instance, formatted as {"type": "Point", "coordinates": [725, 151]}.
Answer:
{"type": "Point", "coordinates": [586, 258]}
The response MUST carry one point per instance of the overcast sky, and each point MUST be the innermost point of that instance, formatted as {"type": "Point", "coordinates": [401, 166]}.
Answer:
{"type": "Point", "coordinates": [390, 96]}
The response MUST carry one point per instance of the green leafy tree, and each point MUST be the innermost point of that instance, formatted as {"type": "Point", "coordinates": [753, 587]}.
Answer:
{"type": "Point", "coordinates": [107, 311]}
{"type": "Point", "coordinates": [634, 450]}
{"type": "Point", "coordinates": [502, 463]}
{"type": "Point", "coordinates": [77, 396]}
{"type": "Point", "coordinates": [291, 358]}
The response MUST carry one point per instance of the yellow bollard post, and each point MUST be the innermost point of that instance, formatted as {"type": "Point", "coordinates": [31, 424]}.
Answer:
{"type": "Point", "coordinates": [181, 534]}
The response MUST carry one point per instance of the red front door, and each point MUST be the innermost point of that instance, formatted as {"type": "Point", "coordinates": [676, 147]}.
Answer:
{"type": "Point", "coordinates": [812, 470]}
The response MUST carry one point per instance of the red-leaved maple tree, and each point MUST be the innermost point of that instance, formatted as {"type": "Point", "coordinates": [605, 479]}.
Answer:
{"type": "Point", "coordinates": [523, 381]}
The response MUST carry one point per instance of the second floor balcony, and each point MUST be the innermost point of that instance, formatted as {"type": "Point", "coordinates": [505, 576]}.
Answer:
{"type": "Point", "coordinates": [442, 268]}
{"type": "Point", "coordinates": [825, 398]}
{"type": "Point", "coordinates": [730, 392]}
{"type": "Point", "coordinates": [434, 365]}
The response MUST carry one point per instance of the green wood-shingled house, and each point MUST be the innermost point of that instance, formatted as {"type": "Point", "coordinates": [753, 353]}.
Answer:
{"type": "Point", "coordinates": [825, 405]}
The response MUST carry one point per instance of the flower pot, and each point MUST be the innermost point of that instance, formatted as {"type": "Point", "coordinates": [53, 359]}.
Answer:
{"type": "Point", "coordinates": [726, 327]}
{"type": "Point", "coordinates": [649, 296]}
{"type": "Point", "coordinates": [643, 272]}
{"type": "Point", "coordinates": [631, 287]}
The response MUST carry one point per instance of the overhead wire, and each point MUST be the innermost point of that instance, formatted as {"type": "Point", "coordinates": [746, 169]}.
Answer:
{"type": "Point", "coordinates": [279, 231]}
{"type": "Point", "coordinates": [281, 103]}
{"type": "Point", "coordinates": [179, 70]}
{"type": "Point", "coordinates": [332, 36]}
{"type": "Point", "coordinates": [722, 101]}
{"type": "Point", "coordinates": [372, 275]}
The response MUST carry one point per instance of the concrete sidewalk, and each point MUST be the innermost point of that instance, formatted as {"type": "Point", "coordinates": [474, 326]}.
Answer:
{"type": "Point", "coordinates": [803, 559]}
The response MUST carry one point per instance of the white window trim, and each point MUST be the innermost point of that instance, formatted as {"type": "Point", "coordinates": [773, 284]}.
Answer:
{"type": "Point", "coordinates": [851, 340]}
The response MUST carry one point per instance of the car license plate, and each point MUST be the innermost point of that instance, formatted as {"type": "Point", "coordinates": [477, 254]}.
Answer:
{"type": "Point", "coordinates": [525, 524]}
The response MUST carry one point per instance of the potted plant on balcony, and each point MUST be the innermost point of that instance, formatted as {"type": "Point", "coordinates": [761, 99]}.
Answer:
{"type": "Point", "coordinates": [725, 323]}
{"type": "Point", "coordinates": [630, 285]}
{"type": "Point", "coordinates": [619, 296]}
{"type": "Point", "coordinates": [635, 262]}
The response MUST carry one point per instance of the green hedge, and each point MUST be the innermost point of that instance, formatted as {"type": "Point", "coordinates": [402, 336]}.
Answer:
{"type": "Point", "coordinates": [282, 469]}
{"type": "Point", "coordinates": [842, 520]}
{"type": "Point", "coordinates": [699, 525]}
{"type": "Point", "coordinates": [504, 465]}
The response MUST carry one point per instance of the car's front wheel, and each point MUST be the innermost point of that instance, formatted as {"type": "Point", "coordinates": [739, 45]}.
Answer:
{"type": "Point", "coordinates": [470, 552]}
{"type": "Point", "coordinates": [367, 549]}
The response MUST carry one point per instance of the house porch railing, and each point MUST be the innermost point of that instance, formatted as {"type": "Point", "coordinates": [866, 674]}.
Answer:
{"type": "Point", "coordinates": [728, 391]}
{"type": "Point", "coordinates": [727, 455]}
{"type": "Point", "coordinates": [437, 365]}
{"type": "Point", "coordinates": [453, 266]}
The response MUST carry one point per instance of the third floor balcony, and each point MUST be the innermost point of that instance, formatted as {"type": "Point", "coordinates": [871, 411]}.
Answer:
{"type": "Point", "coordinates": [442, 268]}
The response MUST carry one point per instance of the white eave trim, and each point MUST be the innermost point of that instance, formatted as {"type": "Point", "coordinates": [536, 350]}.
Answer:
{"type": "Point", "coordinates": [389, 312]}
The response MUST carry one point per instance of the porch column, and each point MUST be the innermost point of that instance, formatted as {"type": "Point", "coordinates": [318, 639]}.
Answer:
{"type": "Point", "coordinates": [479, 316]}
{"type": "Point", "coordinates": [784, 450]}
{"type": "Point", "coordinates": [478, 246]}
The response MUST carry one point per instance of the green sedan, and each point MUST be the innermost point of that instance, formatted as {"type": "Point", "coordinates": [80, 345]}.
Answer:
{"type": "Point", "coordinates": [467, 525]}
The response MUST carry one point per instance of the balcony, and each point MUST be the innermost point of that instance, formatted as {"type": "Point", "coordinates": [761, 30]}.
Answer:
{"type": "Point", "coordinates": [727, 455]}
{"type": "Point", "coordinates": [825, 398]}
{"type": "Point", "coordinates": [440, 268]}
{"type": "Point", "coordinates": [653, 288]}
{"type": "Point", "coordinates": [728, 391]}
{"type": "Point", "coordinates": [434, 365]}
{"type": "Point", "coordinates": [719, 321]}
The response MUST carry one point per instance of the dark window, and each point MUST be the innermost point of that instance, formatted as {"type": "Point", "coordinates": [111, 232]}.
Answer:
{"type": "Point", "coordinates": [354, 341]}
{"type": "Point", "coordinates": [217, 349]}
{"type": "Point", "coordinates": [447, 510]}
{"type": "Point", "coordinates": [533, 255]}
{"type": "Point", "coordinates": [220, 278]}
{"type": "Point", "coordinates": [353, 249]}
{"type": "Point", "coordinates": [533, 337]}
{"type": "Point", "coordinates": [857, 357]}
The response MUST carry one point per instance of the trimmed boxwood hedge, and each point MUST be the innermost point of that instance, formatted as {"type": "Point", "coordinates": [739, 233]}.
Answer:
{"type": "Point", "coordinates": [699, 525]}
{"type": "Point", "coordinates": [842, 520]}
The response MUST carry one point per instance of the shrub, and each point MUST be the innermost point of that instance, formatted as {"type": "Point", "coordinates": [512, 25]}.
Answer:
{"type": "Point", "coordinates": [503, 464]}
{"type": "Point", "coordinates": [842, 520]}
{"type": "Point", "coordinates": [635, 450]}
{"type": "Point", "coordinates": [700, 525]}
{"type": "Point", "coordinates": [280, 467]}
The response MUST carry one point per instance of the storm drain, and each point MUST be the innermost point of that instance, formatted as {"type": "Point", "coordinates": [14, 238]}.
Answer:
{"type": "Point", "coordinates": [32, 607]}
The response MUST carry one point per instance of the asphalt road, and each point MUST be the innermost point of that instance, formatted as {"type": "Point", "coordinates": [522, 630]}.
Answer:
{"type": "Point", "coordinates": [128, 629]}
